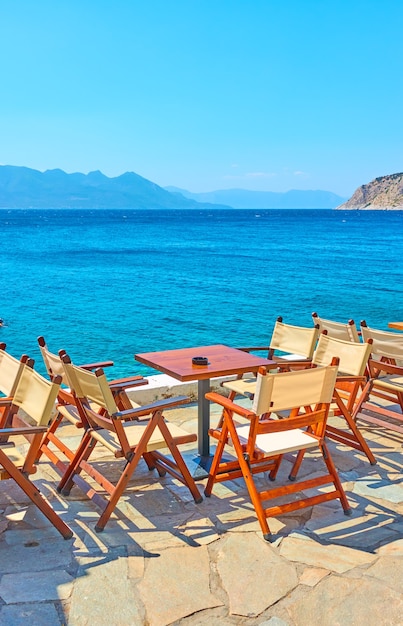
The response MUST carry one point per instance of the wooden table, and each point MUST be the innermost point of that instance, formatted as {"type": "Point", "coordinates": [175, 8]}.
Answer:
{"type": "Point", "coordinates": [222, 361]}
{"type": "Point", "coordinates": [397, 325]}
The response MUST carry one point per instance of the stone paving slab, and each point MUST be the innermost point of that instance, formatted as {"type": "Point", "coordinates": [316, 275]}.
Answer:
{"type": "Point", "coordinates": [162, 560]}
{"type": "Point", "coordinates": [38, 614]}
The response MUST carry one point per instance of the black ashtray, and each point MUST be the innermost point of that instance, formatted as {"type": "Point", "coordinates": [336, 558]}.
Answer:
{"type": "Point", "coordinates": [200, 360]}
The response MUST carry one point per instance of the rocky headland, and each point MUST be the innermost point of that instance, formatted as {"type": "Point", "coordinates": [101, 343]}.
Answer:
{"type": "Point", "coordinates": [385, 192]}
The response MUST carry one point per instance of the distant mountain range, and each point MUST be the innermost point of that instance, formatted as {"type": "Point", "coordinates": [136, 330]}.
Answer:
{"type": "Point", "coordinates": [385, 192]}
{"type": "Point", "coordinates": [244, 199]}
{"type": "Point", "coordinates": [22, 187]}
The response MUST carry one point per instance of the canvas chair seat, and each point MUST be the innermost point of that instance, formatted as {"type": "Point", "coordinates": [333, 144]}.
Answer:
{"type": "Point", "coordinates": [392, 382]}
{"type": "Point", "coordinates": [134, 434]}
{"type": "Point", "coordinates": [273, 444]}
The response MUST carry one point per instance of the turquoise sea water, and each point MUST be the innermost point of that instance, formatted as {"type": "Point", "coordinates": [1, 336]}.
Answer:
{"type": "Point", "coordinates": [110, 283]}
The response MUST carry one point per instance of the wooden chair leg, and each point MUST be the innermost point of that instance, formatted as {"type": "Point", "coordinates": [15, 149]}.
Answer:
{"type": "Point", "coordinates": [35, 496]}
{"type": "Point", "coordinates": [249, 481]}
{"type": "Point", "coordinates": [183, 469]}
{"type": "Point", "coordinates": [83, 452]}
{"type": "Point", "coordinates": [335, 477]}
{"type": "Point", "coordinates": [215, 465]}
{"type": "Point", "coordinates": [119, 489]}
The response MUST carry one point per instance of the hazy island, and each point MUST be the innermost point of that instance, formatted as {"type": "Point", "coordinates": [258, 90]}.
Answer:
{"type": "Point", "coordinates": [385, 192]}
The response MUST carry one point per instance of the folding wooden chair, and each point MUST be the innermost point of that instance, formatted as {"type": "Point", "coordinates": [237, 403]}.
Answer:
{"type": "Point", "coordinates": [351, 380]}
{"type": "Point", "coordinates": [350, 384]}
{"type": "Point", "coordinates": [289, 342]}
{"type": "Point", "coordinates": [382, 401]}
{"type": "Point", "coordinates": [260, 444]}
{"type": "Point", "coordinates": [347, 332]}
{"type": "Point", "coordinates": [52, 443]}
{"type": "Point", "coordinates": [129, 435]}
{"type": "Point", "coordinates": [33, 400]}
{"type": "Point", "coordinates": [386, 346]}
{"type": "Point", "coordinates": [10, 373]}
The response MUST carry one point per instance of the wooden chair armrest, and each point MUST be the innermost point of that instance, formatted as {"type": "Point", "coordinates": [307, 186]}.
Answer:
{"type": "Point", "coordinates": [29, 430]}
{"type": "Point", "coordinates": [286, 365]}
{"type": "Point", "coordinates": [129, 380]}
{"type": "Point", "coordinates": [151, 408]}
{"type": "Point", "coordinates": [229, 405]}
{"type": "Point", "coordinates": [350, 379]}
{"type": "Point", "coordinates": [250, 349]}
{"type": "Point", "coordinates": [381, 366]}
{"type": "Point", "coordinates": [5, 401]}
{"type": "Point", "coordinates": [94, 366]}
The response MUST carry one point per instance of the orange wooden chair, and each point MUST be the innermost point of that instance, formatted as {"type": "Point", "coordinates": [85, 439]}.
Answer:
{"type": "Point", "coordinates": [30, 408]}
{"type": "Point", "coordinates": [347, 332]}
{"type": "Point", "coordinates": [350, 384]}
{"type": "Point", "coordinates": [382, 403]}
{"type": "Point", "coordinates": [52, 444]}
{"type": "Point", "coordinates": [127, 434]}
{"type": "Point", "coordinates": [386, 346]}
{"type": "Point", "coordinates": [10, 373]}
{"type": "Point", "coordinates": [289, 342]}
{"type": "Point", "coordinates": [260, 443]}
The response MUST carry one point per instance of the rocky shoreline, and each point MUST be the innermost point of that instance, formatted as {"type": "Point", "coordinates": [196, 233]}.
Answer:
{"type": "Point", "coordinates": [383, 193]}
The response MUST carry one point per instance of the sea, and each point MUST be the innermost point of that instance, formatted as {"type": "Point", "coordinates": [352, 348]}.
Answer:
{"type": "Point", "coordinates": [107, 284]}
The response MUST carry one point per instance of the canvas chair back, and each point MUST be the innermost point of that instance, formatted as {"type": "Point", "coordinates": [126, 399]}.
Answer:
{"type": "Point", "coordinates": [90, 386]}
{"type": "Point", "coordinates": [53, 362]}
{"type": "Point", "coordinates": [353, 357]}
{"type": "Point", "coordinates": [36, 396]}
{"type": "Point", "coordinates": [10, 371]}
{"type": "Point", "coordinates": [384, 344]}
{"type": "Point", "coordinates": [294, 339]}
{"type": "Point", "coordinates": [289, 390]}
{"type": "Point", "coordinates": [347, 332]}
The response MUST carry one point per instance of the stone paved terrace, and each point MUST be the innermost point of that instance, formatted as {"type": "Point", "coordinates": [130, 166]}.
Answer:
{"type": "Point", "coordinates": [163, 560]}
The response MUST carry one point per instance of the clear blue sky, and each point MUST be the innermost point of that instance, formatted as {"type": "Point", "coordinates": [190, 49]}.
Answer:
{"type": "Point", "coordinates": [205, 94]}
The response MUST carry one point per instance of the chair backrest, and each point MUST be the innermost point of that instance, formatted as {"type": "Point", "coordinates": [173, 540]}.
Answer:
{"type": "Point", "coordinates": [294, 339]}
{"type": "Point", "coordinates": [291, 390]}
{"type": "Point", "coordinates": [353, 357]}
{"type": "Point", "coordinates": [90, 387]}
{"type": "Point", "coordinates": [53, 362]}
{"type": "Point", "coordinates": [10, 371]}
{"type": "Point", "coordinates": [347, 332]}
{"type": "Point", "coordinates": [384, 343]}
{"type": "Point", "coordinates": [36, 396]}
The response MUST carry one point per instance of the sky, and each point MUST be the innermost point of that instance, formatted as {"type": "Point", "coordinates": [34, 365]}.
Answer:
{"type": "Point", "coordinates": [266, 95]}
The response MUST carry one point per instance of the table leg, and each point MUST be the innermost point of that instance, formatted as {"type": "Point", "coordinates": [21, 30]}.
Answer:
{"type": "Point", "coordinates": [203, 418]}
